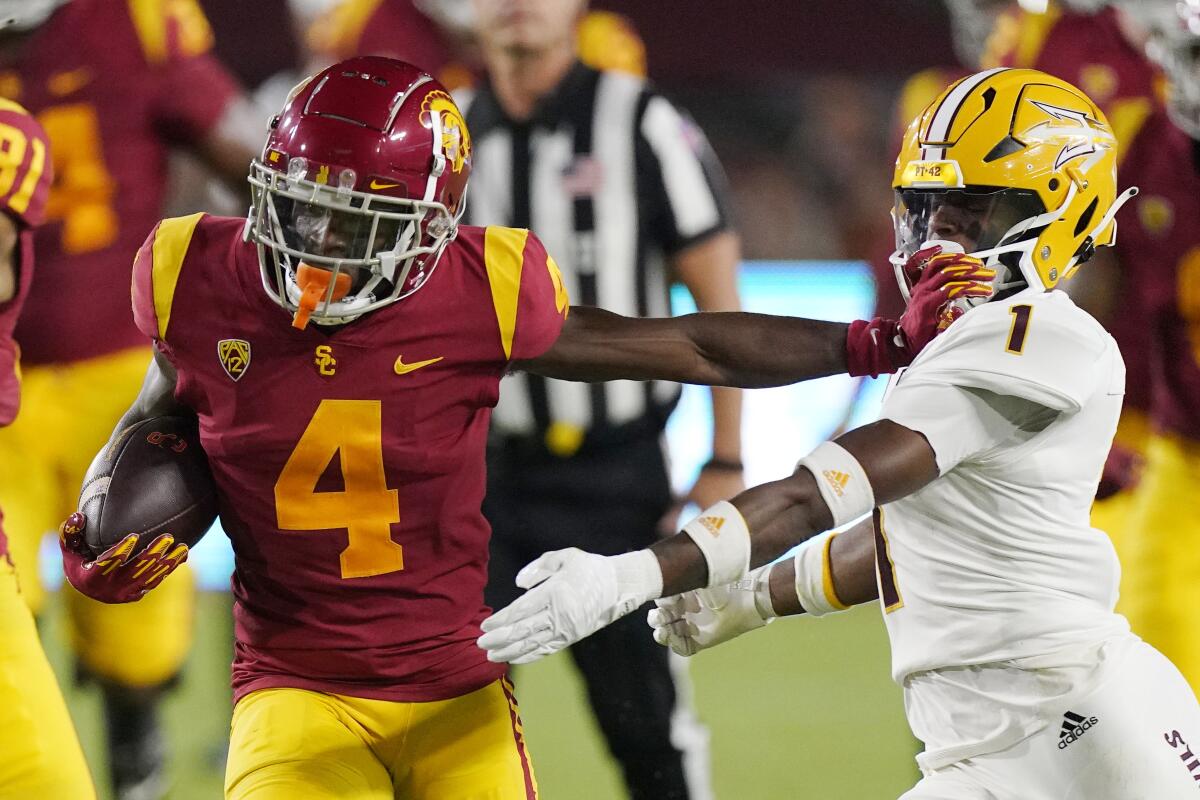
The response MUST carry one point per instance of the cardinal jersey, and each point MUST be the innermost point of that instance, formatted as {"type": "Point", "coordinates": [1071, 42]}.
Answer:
{"type": "Point", "coordinates": [995, 560]}
{"type": "Point", "coordinates": [25, 174]}
{"type": "Point", "coordinates": [350, 462]}
{"type": "Point", "coordinates": [1091, 52]}
{"type": "Point", "coordinates": [114, 83]}
{"type": "Point", "coordinates": [1163, 241]}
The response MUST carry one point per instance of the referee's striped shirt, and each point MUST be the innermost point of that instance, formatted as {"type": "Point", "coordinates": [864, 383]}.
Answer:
{"type": "Point", "coordinates": [613, 179]}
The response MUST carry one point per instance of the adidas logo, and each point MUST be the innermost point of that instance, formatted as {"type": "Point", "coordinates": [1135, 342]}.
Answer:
{"type": "Point", "coordinates": [1073, 727]}
{"type": "Point", "coordinates": [713, 525]}
{"type": "Point", "coordinates": [837, 481]}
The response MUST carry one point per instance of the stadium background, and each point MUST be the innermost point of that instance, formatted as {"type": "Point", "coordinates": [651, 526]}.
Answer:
{"type": "Point", "coordinates": [798, 100]}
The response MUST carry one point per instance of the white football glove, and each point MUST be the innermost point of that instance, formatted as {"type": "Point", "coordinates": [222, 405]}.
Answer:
{"type": "Point", "coordinates": [703, 618]}
{"type": "Point", "coordinates": [572, 594]}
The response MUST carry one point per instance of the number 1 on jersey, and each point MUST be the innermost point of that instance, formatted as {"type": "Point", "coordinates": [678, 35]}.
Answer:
{"type": "Point", "coordinates": [351, 430]}
{"type": "Point", "coordinates": [1020, 327]}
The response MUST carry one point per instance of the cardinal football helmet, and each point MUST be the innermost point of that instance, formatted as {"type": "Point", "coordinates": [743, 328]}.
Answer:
{"type": "Point", "coordinates": [1019, 162]}
{"type": "Point", "coordinates": [359, 188]}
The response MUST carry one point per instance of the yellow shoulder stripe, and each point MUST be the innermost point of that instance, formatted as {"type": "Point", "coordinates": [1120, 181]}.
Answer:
{"type": "Point", "coordinates": [1032, 37]}
{"type": "Point", "coordinates": [1126, 116]}
{"type": "Point", "coordinates": [9, 105]}
{"type": "Point", "coordinates": [338, 31]}
{"type": "Point", "coordinates": [150, 18]}
{"type": "Point", "coordinates": [503, 256]}
{"type": "Point", "coordinates": [170, 246]}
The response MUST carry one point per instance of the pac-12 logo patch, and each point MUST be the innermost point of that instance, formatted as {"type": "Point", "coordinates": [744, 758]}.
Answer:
{"type": "Point", "coordinates": [234, 355]}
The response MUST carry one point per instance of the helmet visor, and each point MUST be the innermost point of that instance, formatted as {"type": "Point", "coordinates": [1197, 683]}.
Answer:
{"type": "Point", "coordinates": [977, 218]}
{"type": "Point", "coordinates": [327, 234]}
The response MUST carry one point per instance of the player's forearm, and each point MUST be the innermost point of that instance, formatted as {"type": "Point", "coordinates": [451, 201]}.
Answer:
{"type": "Point", "coordinates": [156, 398]}
{"type": "Point", "coordinates": [779, 515]}
{"type": "Point", "coordinates": [851, 569]}
{"type": "Point", "coordinates": [727, 424]}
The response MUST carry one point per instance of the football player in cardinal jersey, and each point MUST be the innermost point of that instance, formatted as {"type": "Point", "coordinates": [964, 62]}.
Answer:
{"type": "Point", "coordinates": [342, 349]}
{"type": "Point", "coordinates": [1090, 44]}
{"type": "Point", "coordinates": [1161, 546]}
{"type": "Point", "coordinates": [116, 84]}
{"type": "Point", "coordinates": [997, 593]}
{"type": "Point", "coordinates": [42, 757]}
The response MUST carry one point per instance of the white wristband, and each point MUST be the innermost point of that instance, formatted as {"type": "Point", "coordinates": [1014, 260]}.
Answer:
{"type": "Point", "coordinates": [814, 580]}
{"type": "Point", "coordinates": [842, 482]}
{"type": "Point", "coordinates": [639, 579]}
{"type": "Point", "coordinates": [722, 535]}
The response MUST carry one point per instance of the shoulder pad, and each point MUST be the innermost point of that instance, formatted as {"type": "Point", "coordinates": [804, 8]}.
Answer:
{"type": "Point", "coordinates": [1037, 346]}
{"type": "Point", "coordinates": [156, 269]}
{"type": "Point", "coordinates": [170, 29]}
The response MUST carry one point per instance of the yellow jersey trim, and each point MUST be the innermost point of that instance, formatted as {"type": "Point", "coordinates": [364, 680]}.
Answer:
{"type": "Point", "coordinates": [1032, 36]}
{"type": "Point", "coordinates": [503, 256]}
{"type": "Point", "coordinates": [19, 202]}
{"type": "Point", "coordinates": [171, 243]}
{"type": "Point", "coordinates": [150, 19]}
{"type": "Point", "coordinates": [1127, 116]}
{"type": "Point", "coordinates": [338, 31]}
{"type": "Point", "coordinates": [827, 578]}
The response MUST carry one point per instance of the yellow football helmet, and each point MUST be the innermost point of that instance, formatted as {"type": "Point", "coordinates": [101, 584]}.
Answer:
{"type": "Point", "coordinates": [1017, 166]}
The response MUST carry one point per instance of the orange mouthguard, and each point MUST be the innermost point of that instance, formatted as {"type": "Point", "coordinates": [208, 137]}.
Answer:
{"type": "Point", "coordinates": [314, 284]}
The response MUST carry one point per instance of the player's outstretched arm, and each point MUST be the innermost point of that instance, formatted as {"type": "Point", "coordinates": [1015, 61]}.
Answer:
{"type": "Point", "coordinates": [756, 350]}
{"type": "Point", "coordinates": [123, 574]}
{"type": "Point", "coordinates": [572, 594]}
{"type": "Point", "coordinates": [825, 575]}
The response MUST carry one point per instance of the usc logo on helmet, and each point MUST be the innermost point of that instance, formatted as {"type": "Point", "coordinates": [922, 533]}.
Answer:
{"type": "Point", "coordinates": [456, 140]}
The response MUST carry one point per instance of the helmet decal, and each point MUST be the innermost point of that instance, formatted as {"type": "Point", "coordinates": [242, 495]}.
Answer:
{"type": "Point", "coordinates": [456, 140]}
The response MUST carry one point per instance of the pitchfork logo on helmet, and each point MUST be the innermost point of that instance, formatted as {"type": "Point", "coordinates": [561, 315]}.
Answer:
{"type": "Point", "coordinates": [1017, 167]}
{"type": "Point", "coordinates": [361, 186]}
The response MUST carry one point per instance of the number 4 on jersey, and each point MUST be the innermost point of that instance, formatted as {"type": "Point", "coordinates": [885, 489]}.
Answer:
{"type": "Point", "coordinates": [366, 507]}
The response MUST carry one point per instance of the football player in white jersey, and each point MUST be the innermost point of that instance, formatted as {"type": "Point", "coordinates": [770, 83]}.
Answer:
{"type": "Point", "coordinates": [998, 596]}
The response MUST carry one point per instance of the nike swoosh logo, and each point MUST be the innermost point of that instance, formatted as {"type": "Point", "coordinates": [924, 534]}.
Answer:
{"type": "Point", "coordinates": [374, 184]}
{"type": "Point", "coordinates": [64, 83]}
{"type": "Point", "coordinates": [404, 369]}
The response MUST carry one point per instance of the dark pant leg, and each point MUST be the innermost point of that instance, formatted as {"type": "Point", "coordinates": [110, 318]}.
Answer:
{"type": "Point", "coordinates": [606, 503]}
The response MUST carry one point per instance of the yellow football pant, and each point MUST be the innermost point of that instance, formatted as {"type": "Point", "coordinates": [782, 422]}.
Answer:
{"type": "Point", "coordinates": [67, 414]}
{"type": "Point", "coordinates": [1112, 515]}
{"type": "Point", "coordinates": [1160, 587]}
{"type": "Point", "coordinates": [293, 743]}
{"type": "Point", "coordinates": [41, 757]}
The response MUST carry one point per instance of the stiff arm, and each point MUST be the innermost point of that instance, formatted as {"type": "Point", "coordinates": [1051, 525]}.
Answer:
{"type": "Point", "coordinates": [714, 348]}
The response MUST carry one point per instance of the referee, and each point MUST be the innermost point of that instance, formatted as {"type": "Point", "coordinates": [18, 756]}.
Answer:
{"type": "Point", "coordinates": [627, 196]}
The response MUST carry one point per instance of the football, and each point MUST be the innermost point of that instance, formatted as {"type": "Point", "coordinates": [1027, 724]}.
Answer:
{"type": "Point", "coordinates": [152, 479]}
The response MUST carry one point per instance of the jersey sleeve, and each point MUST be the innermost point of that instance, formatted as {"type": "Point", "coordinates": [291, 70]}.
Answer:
{"type": "Point", "coordinates": [961, 424]}
{"type": "Point", "coordinates": [25, 168]}
{"type": "Point", "coordinates": [191, 87]}
{"type": "Point", "coordinates": [1034, 351]}
{"type": "Point", "coordinates": [156, 270]}
{"type": "Point", "coordinates": [686, 187]}
{"type": "Point", "coordinates": [527, 291]}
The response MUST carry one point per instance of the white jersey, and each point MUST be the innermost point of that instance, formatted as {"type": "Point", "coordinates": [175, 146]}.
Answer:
{"type": "Point", "coordinates": [995, 562]}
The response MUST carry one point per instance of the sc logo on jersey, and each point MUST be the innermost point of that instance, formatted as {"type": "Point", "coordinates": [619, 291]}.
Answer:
{"type": "Point", "coordinates": [324, 361]}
